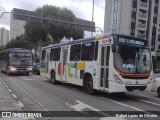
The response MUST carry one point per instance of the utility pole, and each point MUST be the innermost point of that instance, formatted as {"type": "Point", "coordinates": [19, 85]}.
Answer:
{"type": "Point", "coordinates": [4, 13]}
{"type": "Point", "coordinates": [92, 14]}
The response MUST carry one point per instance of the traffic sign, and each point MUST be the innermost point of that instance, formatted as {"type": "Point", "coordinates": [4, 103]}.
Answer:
{"type": "Point", "coordinates": [37, 17]}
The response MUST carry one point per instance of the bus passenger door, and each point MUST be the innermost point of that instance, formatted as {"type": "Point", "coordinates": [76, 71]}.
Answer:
{"type": "Point", "coordinates": [64, 65]}
{"type": "Point", "coordinates": [47, 66]}
{"type": "Point", "coordinates": [104, 67]}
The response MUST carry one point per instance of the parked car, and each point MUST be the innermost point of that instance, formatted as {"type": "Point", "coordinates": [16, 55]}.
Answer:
{"type": "Point", "coordinates": [156, 70]}
{"type": "Point", "coordinates": [156, 84]}
{"type": "Point", "coordinates": [36, 69]}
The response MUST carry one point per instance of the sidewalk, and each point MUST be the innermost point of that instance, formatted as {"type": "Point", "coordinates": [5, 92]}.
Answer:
{"type": "Point", "coordinates": [10, 102]}
{"type": "Point", "coordinates": [7, 101]}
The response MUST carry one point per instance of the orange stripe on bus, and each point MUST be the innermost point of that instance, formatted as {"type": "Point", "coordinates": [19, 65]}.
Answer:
{"type": "Point", "coordinates": [132, 75]}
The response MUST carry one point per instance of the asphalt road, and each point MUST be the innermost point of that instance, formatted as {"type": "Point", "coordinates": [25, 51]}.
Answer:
{"type": "Point", "coordinates": [64, 97]}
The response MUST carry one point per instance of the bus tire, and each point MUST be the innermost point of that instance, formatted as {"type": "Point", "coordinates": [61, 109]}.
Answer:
{"type": "Point", "coordinates": [158, 91]}
{"type": "Point", "coordinates": [88, 85]}
{"type": "Point", "coordinates": [27, 73]}
{"type": "Point", "coordinates": [53, 78]}
{"type": "Point", "coordinates": [7, 72]}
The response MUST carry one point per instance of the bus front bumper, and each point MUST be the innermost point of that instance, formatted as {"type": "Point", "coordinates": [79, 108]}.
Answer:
{"type": "Point", "coordinates": [116, 87]}
{"type": "Point", "coordinates": [19, 70]}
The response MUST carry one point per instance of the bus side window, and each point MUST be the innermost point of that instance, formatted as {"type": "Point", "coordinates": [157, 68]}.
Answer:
{"type": "Point", "coordinates": [3, 56]}
{"type": "Point", "coordinates": [43, 55]}
{"type": "Point", "coordinates": [108, 54]}
{"type": "Point", "coordinates": [96, 51]}
{"type": "Point", "coordinates": [56, 54]}
{"type": "Point", "coordinates": [87, 51]}
{"type": "Point", "coordinates": [75, 52]}
{"type": "Point", "coordinates": [52, 55]}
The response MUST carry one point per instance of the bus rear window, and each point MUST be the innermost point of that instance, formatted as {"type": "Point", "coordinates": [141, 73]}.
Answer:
{"type": "Point", "coordinates": [75, 52]}
{"type": "Point", "coordinates": [43, 55]}
{"type": "Point", "coordinates": [55, 54]}
{"type": "Point", "coordinates": [20, 58]}
{"type": "Point", "coordinates": [87, 51]}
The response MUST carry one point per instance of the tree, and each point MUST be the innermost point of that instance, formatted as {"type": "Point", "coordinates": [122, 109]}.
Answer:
{"type": "Point", "coordinates": [18, 42]}
{"type": "Point", "coordinates": [37, 33]}
{"type": "Point", "coordinates": [3, 47]}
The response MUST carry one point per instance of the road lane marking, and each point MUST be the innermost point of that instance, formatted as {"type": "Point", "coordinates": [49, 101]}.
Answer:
{"type": "Point", "coordinates": [148, 102]}
{"type": "Point", "coordinates": [10, 90]}
{"type": "Point", "coordinates": [68, 104]}
{"type": "Point", "coordinates": [149, 97]}
{"type": "Point", "coordinates": [127, 106]}
{"type": "Point", "coordinates": [122, 104]}
{"type": "Point", "coordinates": [81, 105]}
{"type": "Point", "coordinates": [27, 94]}
{"type": "Point", "coordinates": [20, 104]}
{"type": "Point", "coordinates": [6, 86]}
{"type": "Point", "coordinates": [4, 83]}
{"type": "Point", "coordinates": [35, 76]}
{"type": "Point", "coordinates": [14, 96]}
{"type": "Point", "coordinates": [25, 78]}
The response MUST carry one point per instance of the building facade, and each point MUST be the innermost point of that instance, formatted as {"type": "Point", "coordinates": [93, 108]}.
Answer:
{"type": "Point", "coordinates": [139, 18]}
{"type": "Point", "coordinates": [4, 36]}
{"type": "Point", "coordinates": [16, 27]}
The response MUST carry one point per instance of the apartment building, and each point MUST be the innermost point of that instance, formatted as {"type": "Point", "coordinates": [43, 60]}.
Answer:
{"type": "Point", "coordinates": [16, 27]}
{"type": "Point", "coordinates": [139, 18]}
{"type": "Point", "coordinates": [4, 36]}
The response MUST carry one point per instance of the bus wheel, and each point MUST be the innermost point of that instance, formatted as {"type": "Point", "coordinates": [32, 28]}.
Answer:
{"type": "Point", "coordinates": [27, 73]}
{"type": "Point", "coordinates": [53, 79]}
{"type": "Point", "coordinates": [8, 73]}
{"type": "Point", "coordinates": [88, 85]}
{"type": "Point", "coordinates": [158, 91]}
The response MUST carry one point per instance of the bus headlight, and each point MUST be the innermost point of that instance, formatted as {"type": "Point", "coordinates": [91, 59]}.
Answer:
{"type": "Point", "coordinates": [150, 80]}
{"type": "Point", "coordinates": [12, 68]}
{"type": "Point", "coordinates": [118, 80]}
{"type": "Point", "coordinates": [29, 68]}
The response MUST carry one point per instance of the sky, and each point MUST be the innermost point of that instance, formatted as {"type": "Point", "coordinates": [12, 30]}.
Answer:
{"type": "Point", "coordinates": [81, 8]}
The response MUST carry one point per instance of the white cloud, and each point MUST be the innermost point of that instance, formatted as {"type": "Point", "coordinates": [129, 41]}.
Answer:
{"type": "Point", "coordinates": [5, 19]}
{"type": "Point", "coordinates": [81, 8]}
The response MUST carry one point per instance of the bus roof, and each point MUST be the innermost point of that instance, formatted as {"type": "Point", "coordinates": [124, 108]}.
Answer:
{"type": "Point", "coordinates": [97, 37]}
{"type": "Point", "coordinates": [79, 41]}
{"type": "Point", "coordinates": [16, 49]}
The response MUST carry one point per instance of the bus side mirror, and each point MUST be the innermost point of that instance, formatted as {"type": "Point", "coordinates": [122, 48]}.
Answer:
{"type": "Point", "coordinates": [113, 48]}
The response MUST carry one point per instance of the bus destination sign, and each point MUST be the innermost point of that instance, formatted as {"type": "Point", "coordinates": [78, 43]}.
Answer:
{"type": "Point", "coordinates": [131, 41]}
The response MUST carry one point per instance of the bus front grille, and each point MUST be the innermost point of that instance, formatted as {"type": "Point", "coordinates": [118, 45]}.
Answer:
{"type": "Point", "coordinates": [21, 69]}
{"type": "Point", "coordinates": [131, 88]}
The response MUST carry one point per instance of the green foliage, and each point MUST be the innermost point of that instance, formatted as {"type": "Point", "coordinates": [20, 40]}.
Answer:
{"type": "Point", "coordinates": [156, 62]}
{"type": "Point", "coordinates": [37, 33]}
{"type": "Point", "coordinates": [158, 65]}
{"type": "Point", "coordinates": [19, 42]}
{"type": "Point", "coordinates": [3, 47]}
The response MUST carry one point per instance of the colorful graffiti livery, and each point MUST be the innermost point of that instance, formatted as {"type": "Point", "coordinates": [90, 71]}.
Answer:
{"type": "Point", "coordinates": [60, 69]}
{"type": "Point", "coordinates": [79, 67]}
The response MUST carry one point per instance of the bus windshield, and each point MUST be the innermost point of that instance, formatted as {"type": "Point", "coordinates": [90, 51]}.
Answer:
{"type": "Point", "coordinates": [20, 58]}
{"type": "Point", "coordinates": [132, 59]}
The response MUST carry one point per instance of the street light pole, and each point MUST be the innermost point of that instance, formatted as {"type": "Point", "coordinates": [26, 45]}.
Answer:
{"type": "Point", "coordinates": [99, 29]}
{"type": "Point", "coordinates": [92, 14]}
{"type": "Point", "coordinates": [4, 13]}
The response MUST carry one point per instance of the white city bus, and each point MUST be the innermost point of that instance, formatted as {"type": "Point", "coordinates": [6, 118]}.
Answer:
{"type": "Point", "coordinates": [110, 63]}
{"type": "Point", "coordinates": [16, 60]}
